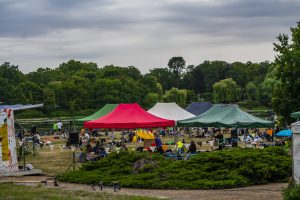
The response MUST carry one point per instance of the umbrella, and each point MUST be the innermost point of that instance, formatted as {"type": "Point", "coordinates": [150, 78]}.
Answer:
{"type": "Point", "coordinates": [284, 133]}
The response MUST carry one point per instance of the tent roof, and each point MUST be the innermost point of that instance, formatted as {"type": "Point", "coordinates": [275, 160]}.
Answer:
{"type": "Point", "coordinates": [197, 108]}
{"type": "Point", "coordinates": [284, 133]}
{"type": "Point", "coordinates": [20, 106]}
{"type": "Point", "coordinates": [170, 111]}
{"type": "Point", "coordinates": [100, 113]}
{"type": "Point", "coordinates": [296, 114]}
{"type": "Point", "coordinates": [221, 115]}
{"type": "Point", "coordinates": [129, 116]}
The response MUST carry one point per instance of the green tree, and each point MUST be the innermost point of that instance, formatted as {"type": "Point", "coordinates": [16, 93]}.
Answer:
{"type": "Point", "coordinates": [286, 98]}
{"type": "Point", "coordinates": [266, 90]}
{"type": "Point", "coordinates": [251, 91]}
{"type": "Point", "coordinates": [175, 95]}
{"type": "Point", "coordinates": [213, 72]}
{"type": "Point", "coordinates": [49, 100]}
{"type": "Point", "coordinates": [226, 91]}
{"type": "Point", "coordinates": [151, 99]}
{"type": "Point", "coordinates": [164, 76]}
{"type": "Point", "coordinates": [176, 65]}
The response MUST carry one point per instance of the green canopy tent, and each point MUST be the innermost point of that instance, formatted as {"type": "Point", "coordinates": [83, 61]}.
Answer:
{"type": "Point", "coordinates": [296, 114]}
{"type": "Point", "coordinates": [227, 116]}
{"type": "Point", "coordinates": [100, 113]}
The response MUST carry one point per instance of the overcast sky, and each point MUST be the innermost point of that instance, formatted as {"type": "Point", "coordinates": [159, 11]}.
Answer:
{"type": "Point", "coordinates": [142, 33]}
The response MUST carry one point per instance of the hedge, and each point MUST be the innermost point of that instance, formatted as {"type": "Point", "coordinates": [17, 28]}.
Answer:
{"type": "Point", "coordinates": [220, 169]}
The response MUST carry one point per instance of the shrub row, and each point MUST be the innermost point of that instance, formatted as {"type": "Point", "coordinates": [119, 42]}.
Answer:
{"type": "Point", "coordinates": [219, 169]}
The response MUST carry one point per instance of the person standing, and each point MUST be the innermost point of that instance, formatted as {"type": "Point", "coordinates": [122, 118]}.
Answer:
{"type": "Point", "coordinates": [59, 126]}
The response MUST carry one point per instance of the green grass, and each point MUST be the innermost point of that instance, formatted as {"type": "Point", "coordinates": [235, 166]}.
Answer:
{"type": "Point", "coordinates": [17, 192]}
{"type": "Point", "coordinates": [219, 169]}
{"type": "Point", "coordinates": [292, 193]}
{"type": "Point", "coordinates": [51, 162]}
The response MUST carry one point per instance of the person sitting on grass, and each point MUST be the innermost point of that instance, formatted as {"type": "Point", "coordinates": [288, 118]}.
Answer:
{"type": "Point", "coordinates": [82, 156]}
{"type": "Point", "coordinates": [192, 148]}
{"type": "Point", "coordinates": [102, 152]}
{"type": "Point", "coordinates": [179, 147]}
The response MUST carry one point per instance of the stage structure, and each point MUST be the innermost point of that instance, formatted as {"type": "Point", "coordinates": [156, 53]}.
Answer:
{"type": "Point", "coordinates": [8, 148]}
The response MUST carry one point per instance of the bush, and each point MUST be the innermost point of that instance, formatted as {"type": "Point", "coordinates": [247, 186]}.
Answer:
{"type": "Point", "coordinates": [291, 193]}
{"type": "Point", "coordinates": [220, 169]}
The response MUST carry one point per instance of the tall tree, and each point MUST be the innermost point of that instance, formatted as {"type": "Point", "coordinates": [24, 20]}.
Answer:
{"type": "Point", "coordinates": [251, 91]}
{"type": "Point", "coordinates": [175, 95]}
{"type": "Point", "coordinates": [286, 98]}
{"type": "Point", "coordinates": [177, 65]}
{"type": "Point", "coordinates": [226, 91]}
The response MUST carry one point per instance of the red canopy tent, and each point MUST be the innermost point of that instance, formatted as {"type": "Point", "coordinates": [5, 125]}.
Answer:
{"type": "Point", "coordinates": [129, 116]}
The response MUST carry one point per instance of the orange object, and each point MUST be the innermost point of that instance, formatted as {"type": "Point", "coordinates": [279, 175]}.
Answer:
{"type": "Point", "coordinates": [270, 132]}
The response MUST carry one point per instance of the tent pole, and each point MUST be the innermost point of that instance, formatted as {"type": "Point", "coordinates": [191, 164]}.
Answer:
{"type": "Point", "coordinates": [292, 152]}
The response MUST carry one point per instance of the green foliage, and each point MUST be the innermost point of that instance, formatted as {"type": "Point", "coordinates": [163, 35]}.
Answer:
{"type": "Point", "coordinates": [76, 86]}
{"type": "Point", "coordinates": [176, 65]}
{"type": "Point", "coordinates": [175, 95]}
{"type": "Point", "coordinates": [220, 169]}
{"type": "Point", "coordinates": [291, 193]}
{"type": "Point", "coordinates": [286, 98]}
{"type": "Point", "coordinates": [251, 91]}
{"type": "Point", "coordinates": [22, 192]}
{"type": "Point", "coordinates": [151, 99]}
{"type": "Point", "coordinates": [226, 91]}
{"type": "Point", "coordinates": [266, 90]}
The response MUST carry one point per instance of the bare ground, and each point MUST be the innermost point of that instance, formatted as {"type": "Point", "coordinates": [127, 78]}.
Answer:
{"type": "Point", "coordinates": [262, 192]}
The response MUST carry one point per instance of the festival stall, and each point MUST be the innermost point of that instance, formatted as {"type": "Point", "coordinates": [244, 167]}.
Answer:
{"type": "Point", "coordinates": [170, 111]}
{"type": "Point", "coordinates": [100, 113]}
{"type": "Point", "coordinates": [229, 116]}
{"type": "Point", "coordinates": [197, 108]}
{"type": "Point", "coordinates": [128, 116]}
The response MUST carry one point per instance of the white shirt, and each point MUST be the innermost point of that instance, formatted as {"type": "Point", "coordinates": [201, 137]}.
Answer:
{"type": "Point", "coordinates": [59, 125]}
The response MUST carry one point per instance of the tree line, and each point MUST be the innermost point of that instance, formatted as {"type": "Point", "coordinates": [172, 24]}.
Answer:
{"type": "Point", "coordinates": [74, 85]}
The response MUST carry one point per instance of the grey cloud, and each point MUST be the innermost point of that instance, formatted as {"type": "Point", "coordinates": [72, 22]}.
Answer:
{"type": "Point", "coordinates": [39, 17]}
{"type": "Point", "coordinates": [243, 18]}
{"type": "Point", "coordinates": [142, 33]}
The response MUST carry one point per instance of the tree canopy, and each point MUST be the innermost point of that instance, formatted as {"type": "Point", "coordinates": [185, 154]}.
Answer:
{"type": "Point", "coordinates": [286, 98]}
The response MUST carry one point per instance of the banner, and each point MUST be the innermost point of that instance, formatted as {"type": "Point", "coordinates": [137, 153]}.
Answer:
{"type": "Point", "coordinates": [8, 149]}
{"type": "Point", "coordinates": [4, 141]}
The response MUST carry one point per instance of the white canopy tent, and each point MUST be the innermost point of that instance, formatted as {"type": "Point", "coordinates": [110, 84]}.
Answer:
{"type": "Point", "coordinates": [296, 151]}
{"type": "Point", "coordinates": [170, 111]}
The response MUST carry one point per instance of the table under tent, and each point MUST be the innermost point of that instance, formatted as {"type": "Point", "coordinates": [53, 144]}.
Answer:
{"type": "Point", "coordinates": [129, 116]}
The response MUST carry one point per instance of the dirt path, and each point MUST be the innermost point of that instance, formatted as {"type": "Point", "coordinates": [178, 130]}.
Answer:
{"type": "Point", "coordinates": [262, 192]}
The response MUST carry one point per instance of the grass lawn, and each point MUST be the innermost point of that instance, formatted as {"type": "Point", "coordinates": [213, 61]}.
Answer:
{"type": "Point", "coordinates": [56, 161]}
{"type": "Point", "coordinates": [17, 192]}
{"type": "Point", "coordinates": [51, 162]}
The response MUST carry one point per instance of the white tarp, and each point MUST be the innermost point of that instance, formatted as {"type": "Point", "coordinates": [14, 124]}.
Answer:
{"type": "Point", "coordinates": [170, 111]}
{"type": "Point", "coordinates": [296, 151]}
{"type": "Point", "coordinates": [8, 149]}
{"type": "Point", "coordinates": [20, 106]}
